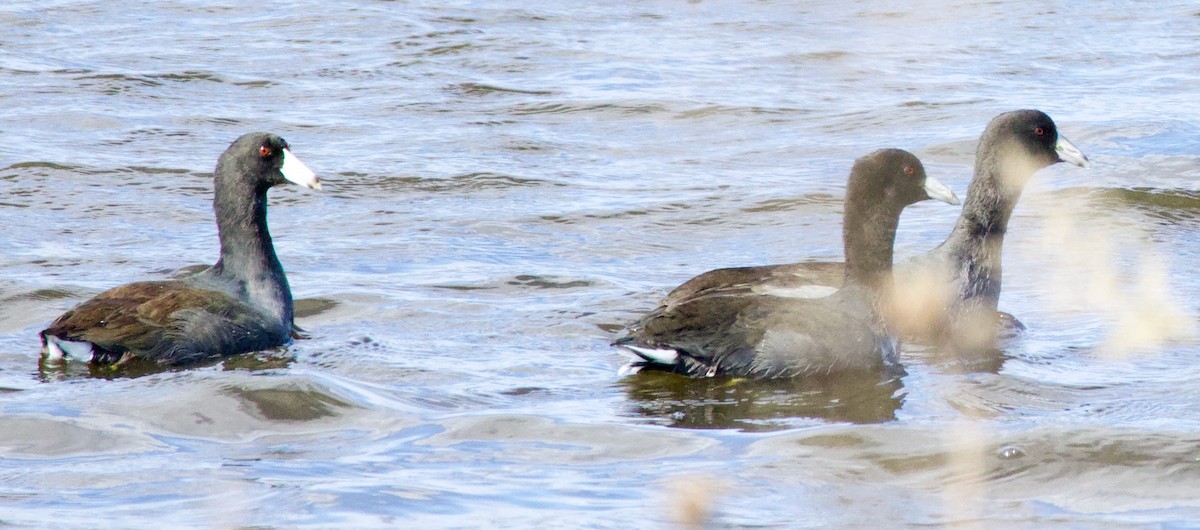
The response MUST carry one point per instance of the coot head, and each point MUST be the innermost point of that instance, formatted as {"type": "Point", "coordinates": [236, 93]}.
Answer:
{"type": "Point", "coordinates": [261, 161]}
{"type": "Point", "coordinates": [898, 179]}
{"type": "Point", "coordinates": [1029, 138]}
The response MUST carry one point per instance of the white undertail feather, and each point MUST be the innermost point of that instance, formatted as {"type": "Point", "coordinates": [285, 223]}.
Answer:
{"type": "Point", "coordinates": [59, 350]}
{"type": "Point", "coordinates": [654, 355]}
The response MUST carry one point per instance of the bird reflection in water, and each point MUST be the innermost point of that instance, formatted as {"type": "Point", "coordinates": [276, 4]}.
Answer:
{"type": "Point", "coordinates": [765, 405]}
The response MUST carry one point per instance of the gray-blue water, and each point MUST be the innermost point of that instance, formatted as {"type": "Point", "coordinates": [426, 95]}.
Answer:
{"type": "Point", "coordinates": [508, 183]}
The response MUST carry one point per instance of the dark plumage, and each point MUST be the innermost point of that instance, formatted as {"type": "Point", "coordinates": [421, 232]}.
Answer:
{"type": "Point", "coordinates": [239, 305]}
{"type": "Point", "coordinates": [950, 294]}
{"type": "Point", "coordinates": [763, 332]}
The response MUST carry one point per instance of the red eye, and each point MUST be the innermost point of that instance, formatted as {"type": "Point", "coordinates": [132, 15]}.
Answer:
{"type": "Point", "coordinates": [1039, 131]}
{"type": "Point", "coordinates": [908, 170]}
{"type": "Point", "coordinates": [264, 151]}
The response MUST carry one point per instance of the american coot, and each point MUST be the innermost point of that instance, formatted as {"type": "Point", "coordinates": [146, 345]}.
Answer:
{"type": "Point", "coordinates": [949, 295]}
{"type": "Point", "coordinates": [762, 332]}
{"type": "Point", "coordinates": [239, 305]}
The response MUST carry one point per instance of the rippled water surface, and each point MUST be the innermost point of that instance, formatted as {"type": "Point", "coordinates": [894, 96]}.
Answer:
{"type": "Point", "coordinates": [509, 183]}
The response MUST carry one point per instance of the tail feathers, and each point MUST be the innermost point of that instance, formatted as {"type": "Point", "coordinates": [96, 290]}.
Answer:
{"type": "Point", "coordinates": [663, 359]}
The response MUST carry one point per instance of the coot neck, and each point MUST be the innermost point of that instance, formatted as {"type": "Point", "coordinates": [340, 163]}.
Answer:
{"type": "Point", "coordinates": [247, 253]}
{"type": "Point", "coordinates": [1000, 178]}
{"type": "Point", "coordinates": [868, 232]}
{"type": "Point", "coordinates": [1001, 172]}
